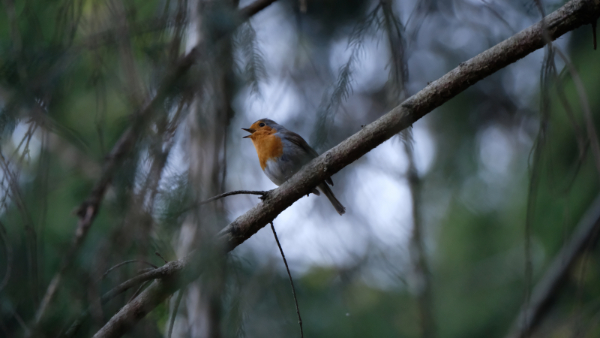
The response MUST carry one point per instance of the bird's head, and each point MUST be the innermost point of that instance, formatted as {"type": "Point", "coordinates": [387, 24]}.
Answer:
{"type": "Point", "coordinates": [261, 127]}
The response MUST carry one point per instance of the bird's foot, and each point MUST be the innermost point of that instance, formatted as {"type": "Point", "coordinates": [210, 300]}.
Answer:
{"type": "Point", "coordinates": [265, 195]}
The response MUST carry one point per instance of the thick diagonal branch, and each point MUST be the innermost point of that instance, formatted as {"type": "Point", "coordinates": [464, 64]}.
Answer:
{"type": "Point", "coordinates": [572, 15]}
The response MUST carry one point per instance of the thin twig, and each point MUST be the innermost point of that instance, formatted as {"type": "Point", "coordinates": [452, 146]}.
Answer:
{"type": "Point", "coordinates": [291, 280]}
{"type": "Point", "coordinates": [236, 192]}
{"type": "Point", "coordinates": [174, 313]}
{"type": "Point", "coordinates": [165, 270]}
{"type": "Point", "coordinates": [585, 106]}
{"type": "Point", "coordinates": [538, 154]}
{"type": "Point", "coordinates": [546, 291]}
{"type": "Point", "coordinates": [263, 195]}
{"type": "Point", "coordinates": [127, 262]}
{"type": "Point", "coordinates": [418, 252]}
{"type": "Point", "coordinates": [398, 78]}
{"type": "Point", "coordinates": [137, 292]}
{"type": "Point", "coordinates": [8, 252]}
{"type": "Point", "coordinates": [28, 223]}
{"type": "Point", "coordinates": [161, 257]}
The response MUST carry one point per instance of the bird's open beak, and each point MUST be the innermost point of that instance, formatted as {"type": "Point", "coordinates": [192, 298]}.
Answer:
{"type": "Point", "coordinates": [250, 130]}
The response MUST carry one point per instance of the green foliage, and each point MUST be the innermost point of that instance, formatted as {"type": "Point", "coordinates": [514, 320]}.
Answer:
{"type": "Point", "coordinates": [75, 75]}
{"type": "Point", "coordinates": [253, 72]}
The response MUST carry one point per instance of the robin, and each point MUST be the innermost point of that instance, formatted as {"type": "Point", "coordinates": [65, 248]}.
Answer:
{"type": "Point", "coordinates": [282, 153]}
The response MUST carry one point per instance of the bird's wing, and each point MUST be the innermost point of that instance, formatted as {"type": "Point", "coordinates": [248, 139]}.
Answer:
{"type": "Point", "coordinates": [299, 141]}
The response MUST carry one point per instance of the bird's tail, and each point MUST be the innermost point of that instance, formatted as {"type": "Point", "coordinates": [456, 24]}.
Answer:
{"type": "Point", "coordinates": [334, 201]}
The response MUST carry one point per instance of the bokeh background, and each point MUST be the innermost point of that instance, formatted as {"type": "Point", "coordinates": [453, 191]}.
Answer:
{"type": "Point", "coordinates": [449, 225]}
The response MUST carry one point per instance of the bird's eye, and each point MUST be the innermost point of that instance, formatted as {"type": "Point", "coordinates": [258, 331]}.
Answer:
{"type": "Point", "coordinates": [261, 124]}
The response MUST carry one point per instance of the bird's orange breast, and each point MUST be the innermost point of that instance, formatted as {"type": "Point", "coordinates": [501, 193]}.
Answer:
{"type": "Point", "coordinates": [268, 146]}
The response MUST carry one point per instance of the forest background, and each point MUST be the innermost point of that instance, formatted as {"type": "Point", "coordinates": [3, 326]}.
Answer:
{"type": "Point", "coordinates": [117, 117]}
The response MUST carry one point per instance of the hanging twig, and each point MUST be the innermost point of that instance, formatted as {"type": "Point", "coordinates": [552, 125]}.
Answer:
{"type": "Point", "coordinates": [9, 256]}
{"type": "Point", "coordinates": [547, 289]}
{"type": "Point", "coordinates": [291, 280]}
{"type": "Point", "coordinates": [418, 252]}
{"type": "Point", "coordinates": [392, 26]}
{"type": "Point", "coordinates": [174, 313]}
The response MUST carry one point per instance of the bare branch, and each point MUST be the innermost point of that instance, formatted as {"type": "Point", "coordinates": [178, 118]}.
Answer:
{"type": "Point", "coordinates": [291, 280]}
{"type": "Point", "coordinates": [572, 15]}
{"type": "Point", "coordinates": [162, 272]}
{"type": "Point", "coordinates": [547, 289]}
{"type": "Point", "coordinates": [174, 313]}
{"type": "Point", "coordinates": [88, 210]}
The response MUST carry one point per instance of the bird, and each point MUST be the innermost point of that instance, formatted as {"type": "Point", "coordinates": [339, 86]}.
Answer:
{"type": "Point", "coordinates": [281, 153]}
